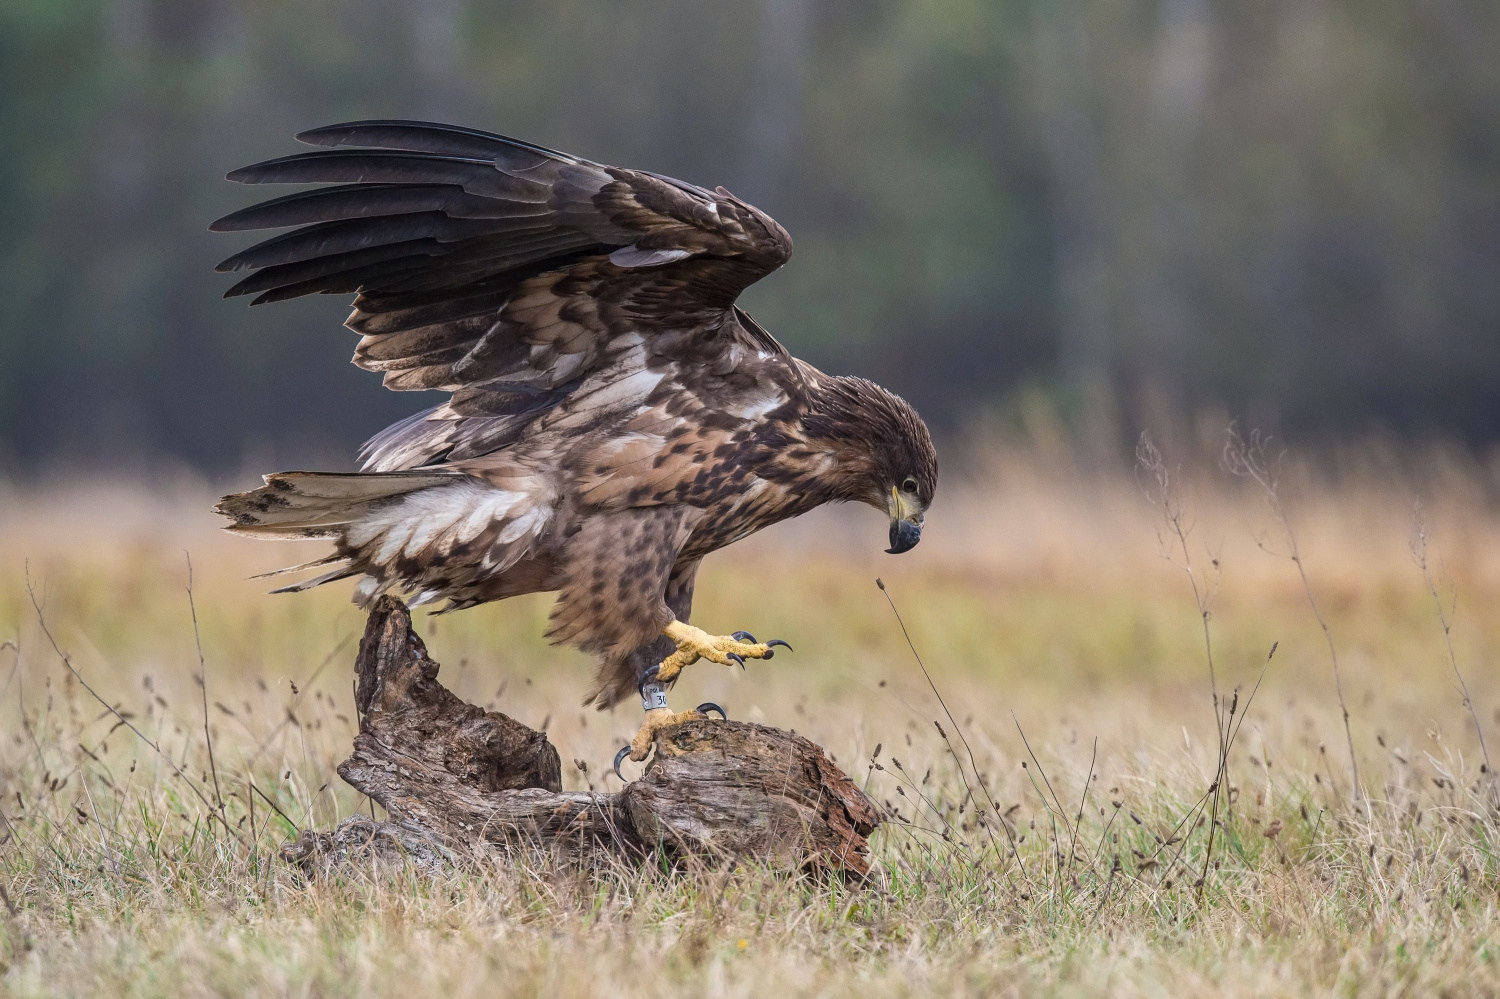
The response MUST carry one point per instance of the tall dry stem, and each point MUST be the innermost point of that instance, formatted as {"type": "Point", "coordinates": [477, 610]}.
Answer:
{"type": "Point", "coordinates": [1445, 618]}
{"type": "Point", "coordinates": [1163, 491]}
{"type": "Point", "coordinates": [978, 777]}
{"type": "Point", "coordinates": [1250, 459]}
{"type": "Point", "coordinates": [208, 736]}
{"type": "Point", "coordinates": [111, 709]}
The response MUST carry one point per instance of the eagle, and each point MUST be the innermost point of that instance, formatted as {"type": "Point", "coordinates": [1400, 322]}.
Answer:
{"type": "Point", "coordinates": [613, 416]}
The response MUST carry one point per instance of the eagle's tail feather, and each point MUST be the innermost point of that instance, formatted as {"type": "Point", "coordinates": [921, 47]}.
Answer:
{"type": "Point", "coordinates": [342, 572]}
{"type": "Point", "coordinates": [319, 504]}
{"type": "Point", "coordinates": [435, 533]}
{"type": "Point", "coordinates": [335, 557]}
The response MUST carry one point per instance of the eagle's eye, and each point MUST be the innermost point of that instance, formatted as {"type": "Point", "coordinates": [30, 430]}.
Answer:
{"type": "Point", "coordinates": [910, 485]}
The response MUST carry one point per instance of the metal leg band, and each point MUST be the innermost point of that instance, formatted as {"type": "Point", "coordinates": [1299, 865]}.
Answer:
{"type": "Point", "coordinates": [653, 695]}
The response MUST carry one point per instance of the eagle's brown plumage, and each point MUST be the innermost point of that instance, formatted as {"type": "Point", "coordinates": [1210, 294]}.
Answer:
{"type": "Point", "coordinates": [613, 418]}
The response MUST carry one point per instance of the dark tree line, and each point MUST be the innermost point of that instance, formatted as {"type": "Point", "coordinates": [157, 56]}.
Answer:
{"type": "Point", "coordinates": [1290, 209]}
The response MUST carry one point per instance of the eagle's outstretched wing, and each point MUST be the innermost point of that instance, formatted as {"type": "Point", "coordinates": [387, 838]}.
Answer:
{"type": "Point", "coordinates": [503, 272]}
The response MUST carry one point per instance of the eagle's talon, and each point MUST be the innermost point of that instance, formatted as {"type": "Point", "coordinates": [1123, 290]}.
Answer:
{"type": "Point", "coordinates": [776, 641]}
{"type": "Point", "coordinates": [707, 706]}
{"type": "Point", "coordinates": [694, 644]}
{"type": "Point", "coordinates": [620, 758]}
{"type": "Point", "coordinates": [650, 676]}
{"type": "Point", "coordinates": [657, 719]}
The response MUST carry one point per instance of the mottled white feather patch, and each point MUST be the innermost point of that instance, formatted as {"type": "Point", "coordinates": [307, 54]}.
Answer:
{"type": "Point", "coordinates": [529, 522]}
{"type": "Point", "coordinates": [368, 589]}
{"type": "Point", "coordinates": [758, 406]}
{"type": "Point", "coordinates": [454, 514]}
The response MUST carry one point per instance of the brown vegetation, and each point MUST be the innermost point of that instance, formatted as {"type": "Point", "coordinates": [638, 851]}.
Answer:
{"type": "Point", "coordinates": [1064, 855]}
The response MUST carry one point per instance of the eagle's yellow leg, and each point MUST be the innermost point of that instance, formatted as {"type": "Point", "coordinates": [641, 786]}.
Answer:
{"type": "Point", "coordinates": [657, 718]}
{"type": "Point", "coordinates": [692, 644]}
{"type": "Point", "coordinates": [695, 643]}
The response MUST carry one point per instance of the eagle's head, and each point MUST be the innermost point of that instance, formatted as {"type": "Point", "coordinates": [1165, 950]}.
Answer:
{"type": "Point", "coordinates": [883, 451]}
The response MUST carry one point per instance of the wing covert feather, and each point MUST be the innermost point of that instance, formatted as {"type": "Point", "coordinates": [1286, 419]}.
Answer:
{"type": "Point", "coordinates": [510, 275]}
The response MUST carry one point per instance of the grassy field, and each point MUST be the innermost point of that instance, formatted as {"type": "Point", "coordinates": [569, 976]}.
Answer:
{"type": "Point", "coordinates": [1040, 601]}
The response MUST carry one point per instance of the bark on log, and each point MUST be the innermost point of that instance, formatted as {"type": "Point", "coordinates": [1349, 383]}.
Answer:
{"type": "Point", "coordinates": [455, 775]}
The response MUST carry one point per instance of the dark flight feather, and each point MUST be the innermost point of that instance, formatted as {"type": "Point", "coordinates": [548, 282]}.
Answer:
{"type": "Point", "coordinates": [406, 255]}
{"type": "Point", "coordinates": [486, 239]}
{"type": "Point", "coordinates": [351, 201]}
{"type": "Point", "coordinates": [426, 137]}
{"type": "Point", "coordinates": [387, 166]}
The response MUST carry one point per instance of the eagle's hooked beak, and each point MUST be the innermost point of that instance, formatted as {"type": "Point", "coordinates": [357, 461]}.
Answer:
{"type": "Point", "coordinates": [906, 523]}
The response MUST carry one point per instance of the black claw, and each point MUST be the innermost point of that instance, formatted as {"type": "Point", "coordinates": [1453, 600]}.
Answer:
{"type": "Point", "coordinates": [619, 757]}
{"type": "Point", "coordinates": [737, 658]}
{"type": "Point", "coordinates": [777, 641]}
{"type": "Point", "coordinates": [708, 706]}
{"type": "Point", "coordinates": [650, 675]}
{"type": "Point", "coordinates": [743, 636]}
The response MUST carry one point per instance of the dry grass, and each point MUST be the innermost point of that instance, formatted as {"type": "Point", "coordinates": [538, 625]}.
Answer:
{"type": "Point", "coordinates": [1039, 593]}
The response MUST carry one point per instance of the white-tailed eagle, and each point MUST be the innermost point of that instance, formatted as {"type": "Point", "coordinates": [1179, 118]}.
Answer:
{"type": "Point", "coordinates": [614, 417]}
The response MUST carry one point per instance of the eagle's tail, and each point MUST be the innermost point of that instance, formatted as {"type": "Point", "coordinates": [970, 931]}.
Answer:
{"type": "Point", "coordinates": [417, 530]}
{"type": "Point", "coordinates": [319, 504]}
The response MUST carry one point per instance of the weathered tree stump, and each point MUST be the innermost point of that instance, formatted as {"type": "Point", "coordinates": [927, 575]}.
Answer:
{"type": "Point", "coordinates": [454, 776]}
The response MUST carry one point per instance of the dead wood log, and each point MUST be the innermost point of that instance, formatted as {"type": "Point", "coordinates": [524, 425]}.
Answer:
{"type": "Point", "coordinates": [361, 842]}
{"type": "Point", "coordinates": [452, 774]}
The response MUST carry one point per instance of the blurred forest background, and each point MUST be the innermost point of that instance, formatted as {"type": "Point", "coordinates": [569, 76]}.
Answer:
{"type": "Point", "coordinates": [1287, 210]}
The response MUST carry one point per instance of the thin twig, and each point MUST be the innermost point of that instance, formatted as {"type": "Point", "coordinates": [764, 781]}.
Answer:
{"type": "Point", "coordinates": [297, 699]}
{"type": "Point", "coordinates": [103, 843]}
{"type": "Point", "coordinates": [994, 809]}
{"type": "Point", "coordinates": [1150, 460]}
{"type": "Point", "coordinates": [203, 686]}
{"type": "Point", "coordinates": [42, 620]}
{"type": "Point", "coordinates": [1224, 763]}
{"type": "Point", "coordinates": [1113, 870]}
{"type": "Point", "coordinates": [1104, 835]}
{"type": "Point", "coordinates": [15, 664]}
{"type": "Point", "coordinates": [1419, 555]}
{"type": "Point", "coordinates": [1083, 800]}
{"type": "Point", "coordinates": [1253, 691]}
{"type": "Point", "coordinates": [1248, 460]}
{"type": "Point", "coordinates": [1055, 798]}
{"type": "Point", "coordinates": [273, 805]}
{"type": "Point", "coordinates": [909, 781]}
